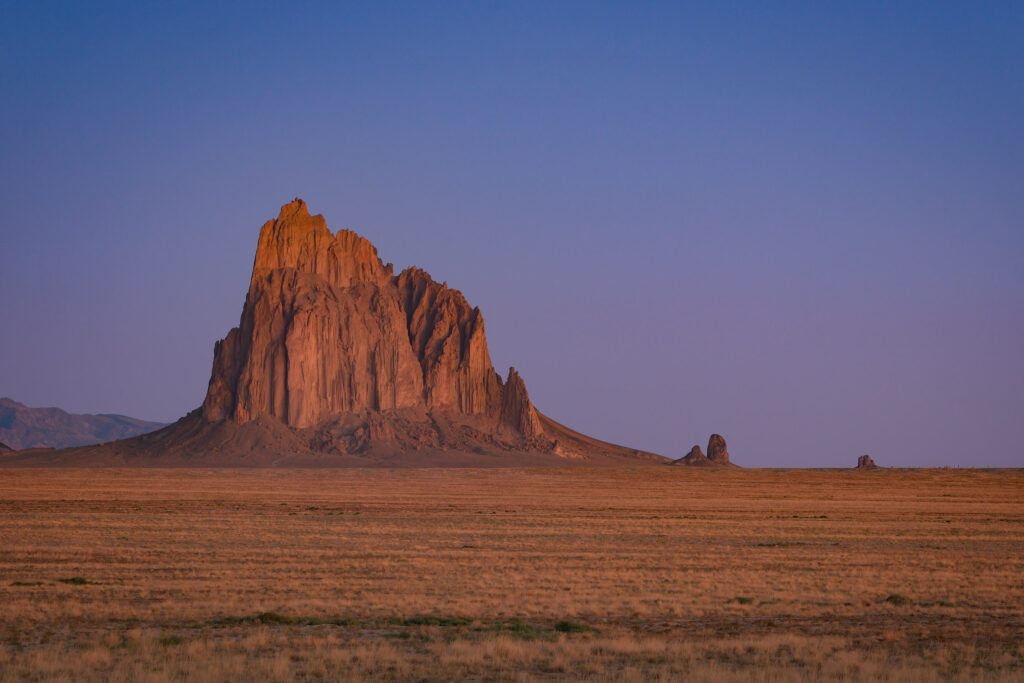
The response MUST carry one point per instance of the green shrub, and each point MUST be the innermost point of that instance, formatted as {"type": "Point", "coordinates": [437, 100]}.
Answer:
{"type": "Point", "coordinates": [572, 627]}
{"type": "Point", "coordinates": [517, 628]}
{"type": "Point", "coordinates": [433, 620]}
{"type": "Point", "coordinates": [273, 618]}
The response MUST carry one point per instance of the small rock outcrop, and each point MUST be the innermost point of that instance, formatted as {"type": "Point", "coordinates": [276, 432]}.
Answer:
{"type": "Point", "coordinates": [718, 455]}
{"type": "Point", "coordinates": [717, 452]}
{"type": "Point", "coordinates": [695, 458]}
{"type": "Point", "coordinates": [865, 462]}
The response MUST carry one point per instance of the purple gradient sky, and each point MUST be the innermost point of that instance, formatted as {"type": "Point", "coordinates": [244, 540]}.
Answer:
{"type": "Point", "coordinates": [800, 225]}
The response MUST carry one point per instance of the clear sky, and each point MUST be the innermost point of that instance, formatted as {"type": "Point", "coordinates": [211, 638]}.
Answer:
{"type": "Point", "coordinates": [800, 225]}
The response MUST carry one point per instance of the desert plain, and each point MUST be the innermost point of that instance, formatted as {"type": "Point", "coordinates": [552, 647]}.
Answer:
{"type": "Point", "coordinates": [645, 573]}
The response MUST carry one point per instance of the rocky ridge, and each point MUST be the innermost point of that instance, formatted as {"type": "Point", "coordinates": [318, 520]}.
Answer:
{"type": "Point", "coordinates": [23, 427]}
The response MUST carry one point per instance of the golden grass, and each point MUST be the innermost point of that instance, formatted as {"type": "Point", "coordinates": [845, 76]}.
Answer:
{"type": "Point", "coordinates": [624, 574]}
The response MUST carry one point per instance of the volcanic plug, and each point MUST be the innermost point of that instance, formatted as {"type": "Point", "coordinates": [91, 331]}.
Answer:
{"type": "Point", "coordinates": [337, 361]}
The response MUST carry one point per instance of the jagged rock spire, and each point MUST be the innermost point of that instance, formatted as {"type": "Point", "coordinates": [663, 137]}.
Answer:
{"type": "Point", "coordinates": [327, 329]}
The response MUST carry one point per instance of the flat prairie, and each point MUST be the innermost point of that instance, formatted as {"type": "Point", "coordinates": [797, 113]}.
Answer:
{"type": "Point", "coordinates": [647, 573]}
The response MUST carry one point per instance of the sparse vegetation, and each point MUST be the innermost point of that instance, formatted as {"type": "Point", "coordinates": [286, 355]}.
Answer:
{"type": "Point", "coordinates": [273, 618]}
{"type": "Point", "coordinates": [572, 627]}
{"type": "Point", "coordinates": [210, 576]}
{"type": "Point", "coordinates": [432, 620]}
{"type": "Point", "coordinates": [76, 581]}
{"type": "Point", "coordinates": [171, 639]}
{"type": "Point", "coordinates": [898, 599]}
{"type": "Point", "coordinates": [347, 622]}
{"type": "Point", "coordinates": [521, 629]}
{"type": "Point", "coordinates": [781, 544]}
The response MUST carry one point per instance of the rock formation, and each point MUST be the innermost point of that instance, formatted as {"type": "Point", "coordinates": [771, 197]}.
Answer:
{"type": "Point", "coordinates": [717, 455]}
{"type": "Point", "coordinates": [338, 361]}
{"type": "Point", "coordinates": [717, 452]}
{"type": "Point", "coordinates": [327, 330]}
{"type": "Point", "coordinates": [865, 462]}
{"type": "Point", "coordinates": [4, 447]}
{"type": "Point", "coordinates": [695, 458]}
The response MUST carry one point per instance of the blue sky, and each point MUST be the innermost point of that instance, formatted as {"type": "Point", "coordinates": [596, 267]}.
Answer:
{"type": "Point", "coordinates": [800, 225]}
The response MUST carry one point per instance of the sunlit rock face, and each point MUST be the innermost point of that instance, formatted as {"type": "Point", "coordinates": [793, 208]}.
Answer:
{"type": "Point", "coordinates": [329, 329]}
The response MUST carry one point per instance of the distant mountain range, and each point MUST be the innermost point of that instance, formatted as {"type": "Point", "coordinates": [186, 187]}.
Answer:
{"type": "Point", "coordinates": [22, 427]}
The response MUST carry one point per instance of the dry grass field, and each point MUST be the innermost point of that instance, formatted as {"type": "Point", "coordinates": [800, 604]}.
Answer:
{"type": "Point", "coordinates": [652, 573]}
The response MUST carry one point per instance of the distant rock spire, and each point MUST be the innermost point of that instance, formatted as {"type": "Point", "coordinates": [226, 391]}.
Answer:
{"type": "Point", "coordinates": [865, 462]}
{"type": "Point", "coordinates": [717, 451]}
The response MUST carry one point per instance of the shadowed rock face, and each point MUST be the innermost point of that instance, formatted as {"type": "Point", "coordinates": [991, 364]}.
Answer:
{"type": "Point", "coordinates": [4, 447]}
{"type": "Point", "coordinates": [865, 462]}
{"type": "Point", "coordinates": [446, 336]}
{"type": "Point", "coordinates": [717, 452]}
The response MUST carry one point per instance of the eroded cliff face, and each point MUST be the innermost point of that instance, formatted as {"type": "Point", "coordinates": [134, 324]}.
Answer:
{"type": "Point", "coordinates": [447, 336]}
{"type": "Point", "coordinates": [328, 331]}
